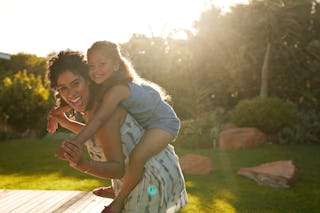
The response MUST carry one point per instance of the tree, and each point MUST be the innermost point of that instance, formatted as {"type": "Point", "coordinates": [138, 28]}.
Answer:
{"type": "Point", "coordinates": [24, 61]}
{"type": "Point", "coordinates": [282, 22]}
{"type": "Point", "coordinates": [24, 101]}
{"type": "Point", "coordinates": [231, 49]}
{"type": "Point", "coordinates": [265, 72]}
{"type": "Point", "coordinates": [168, 62]}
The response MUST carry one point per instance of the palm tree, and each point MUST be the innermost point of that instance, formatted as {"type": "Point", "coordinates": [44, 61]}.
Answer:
{"type": "Point", "coordinates": [283, 27]}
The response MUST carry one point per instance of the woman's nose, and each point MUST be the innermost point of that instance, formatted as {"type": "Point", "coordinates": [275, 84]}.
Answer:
{"type": "Point", "coordinates": [72, 92]}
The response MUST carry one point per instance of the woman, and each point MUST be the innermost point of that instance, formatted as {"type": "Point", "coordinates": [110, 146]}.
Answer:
{"type": "Point", "coordinates": [162, 187]}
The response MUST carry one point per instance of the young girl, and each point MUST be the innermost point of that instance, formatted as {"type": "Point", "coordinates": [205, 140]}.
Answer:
{"type": "Point", "coordinates": [145, 101]}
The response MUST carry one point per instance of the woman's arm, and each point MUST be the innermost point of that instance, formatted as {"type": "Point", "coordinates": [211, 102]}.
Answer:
{"type": "Point", "coordinates": [73, 126]}
{"type": "Point", "coordinates": [109, 137]}
{"type": "Point", "coordinates": [52, 123]}
{"type": "Point", "coordinates": [58, 116]}
{"type": "Point", "coordinates": [110, 101]}
{"type": "Point", "coordinates": [108, 169]}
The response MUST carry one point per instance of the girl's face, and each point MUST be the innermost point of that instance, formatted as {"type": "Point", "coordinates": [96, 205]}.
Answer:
{"type": "Point", "coordinates": [74, 90]}
{"type": "Point", "coordinates": [100, 67]}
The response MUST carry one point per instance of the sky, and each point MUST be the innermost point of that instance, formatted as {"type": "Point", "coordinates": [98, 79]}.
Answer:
{"type": "Point", "coordinates": [41, 27]}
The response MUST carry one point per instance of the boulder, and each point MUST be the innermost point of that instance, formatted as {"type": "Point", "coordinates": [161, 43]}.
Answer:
{"type": "Point", "coordinates": [230, 126]}
{"type": "Point", "coordinates": [278, 174]}
{"type": "Point", "coordinates": [237, 138]}
{"type": "Point", "coordinates": [195, 164]}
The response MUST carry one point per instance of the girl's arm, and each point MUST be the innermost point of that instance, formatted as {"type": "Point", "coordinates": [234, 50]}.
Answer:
{"type": "Point", "coordinates": [57, 116]}
{"type": "Point", "coordinates": [110, 101]}
{"type": "Point", "coordinates": [109, 137]}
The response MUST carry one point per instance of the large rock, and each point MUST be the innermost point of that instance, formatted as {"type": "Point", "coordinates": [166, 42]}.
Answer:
{"type": "Point", "coordinates": [229, 126]}
{"type": "Point", "coordinates": [237, 138]}
{"type": "Point", "coordinates": [195, 164]}
{"type": "Point", "coordinates": [278, 174]}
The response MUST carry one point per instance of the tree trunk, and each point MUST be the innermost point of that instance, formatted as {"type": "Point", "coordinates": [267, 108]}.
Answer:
{"type": "Point", "coordinates": [265, 73]}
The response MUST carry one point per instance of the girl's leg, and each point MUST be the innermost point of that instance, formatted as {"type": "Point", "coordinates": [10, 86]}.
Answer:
{"type": "Point", "coordinates": [153, 142]}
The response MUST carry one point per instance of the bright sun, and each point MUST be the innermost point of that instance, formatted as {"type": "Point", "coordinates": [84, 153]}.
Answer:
{"type": "Point", "coordinates": [225, 4]}
{"type": "Point", "coordinates": [40, 28]}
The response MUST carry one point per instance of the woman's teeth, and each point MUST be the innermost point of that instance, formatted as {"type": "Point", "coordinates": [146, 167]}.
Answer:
{"type": "Point", "coordinates": [74, 101]}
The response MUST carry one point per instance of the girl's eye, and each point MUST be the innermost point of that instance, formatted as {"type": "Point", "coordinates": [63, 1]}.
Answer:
{"type": "Point", "coordinates": [97, 66]}
{"type": "Point", "coordinates": [102, 64]}
{"type": "Point", "coordinates": [91, 67]}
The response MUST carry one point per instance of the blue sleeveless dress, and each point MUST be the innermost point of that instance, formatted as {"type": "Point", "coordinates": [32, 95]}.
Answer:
{"type": "Point", "coordinates": [150, 110]}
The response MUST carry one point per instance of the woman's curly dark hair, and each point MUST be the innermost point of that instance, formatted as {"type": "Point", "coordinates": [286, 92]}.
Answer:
{"type": "Point", "coordinates": [66, 60]}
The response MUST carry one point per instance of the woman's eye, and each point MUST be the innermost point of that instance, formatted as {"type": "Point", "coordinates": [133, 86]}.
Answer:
{"type": "Point", "coordinates": [62, 89]}
{"type": "Point", "coordinates": [75, 84]}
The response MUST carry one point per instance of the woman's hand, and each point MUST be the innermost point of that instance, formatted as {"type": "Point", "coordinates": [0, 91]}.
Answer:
{"type": "Point", "coordinates": [60, 153]}
{"type": "Point", "coordinates": [73, 152]}
{"type": "Point", "coordinates": [52, 122]}
{"type": "Point", "coordinates": [54, 115]}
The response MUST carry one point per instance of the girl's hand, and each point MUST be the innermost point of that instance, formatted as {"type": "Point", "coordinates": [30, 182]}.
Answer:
{"type": "Point", "coordinates": [73, 152]}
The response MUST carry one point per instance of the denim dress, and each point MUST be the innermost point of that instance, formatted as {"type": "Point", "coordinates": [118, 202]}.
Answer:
{"type": "Point", "coordinates": [146, 105]}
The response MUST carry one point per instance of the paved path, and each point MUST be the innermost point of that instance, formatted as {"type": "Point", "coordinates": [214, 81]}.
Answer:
{"type": "Point", "coordinates": [47, 201]}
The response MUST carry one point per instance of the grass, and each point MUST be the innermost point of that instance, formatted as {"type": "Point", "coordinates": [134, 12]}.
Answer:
{"type": "Point", "coordinates": [225, 191]}
{"type": "Point", "coordinates": [30, 164]}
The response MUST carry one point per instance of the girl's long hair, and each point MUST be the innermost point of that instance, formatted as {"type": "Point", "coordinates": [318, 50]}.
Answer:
{"type": "Point", "coordinates": [124, 74]}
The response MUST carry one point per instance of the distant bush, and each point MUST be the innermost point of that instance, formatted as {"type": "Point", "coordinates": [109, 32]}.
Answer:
{"type": "Point", "coordinates": [24, 102]}
{"type": "Point", "coordinates": [7, 135]}
{"type": "Point", "coordinates": [270, 115]}
{"type": "Point", "coordinates": [306, 130]}
{"type": "Point", "coordinates": [202, 132]}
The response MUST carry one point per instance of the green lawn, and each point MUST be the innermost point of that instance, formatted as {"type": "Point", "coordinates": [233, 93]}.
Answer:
{"type": "Point", "coordinates": [30, 164]}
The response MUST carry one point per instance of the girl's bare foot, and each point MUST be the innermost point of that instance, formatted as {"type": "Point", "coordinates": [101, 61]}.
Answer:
{"type": "Point", "coordinates": [106, 192]}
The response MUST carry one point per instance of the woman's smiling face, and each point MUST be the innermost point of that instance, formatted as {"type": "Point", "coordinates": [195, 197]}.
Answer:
{"type": "Point", "coordinates": [74, 89]}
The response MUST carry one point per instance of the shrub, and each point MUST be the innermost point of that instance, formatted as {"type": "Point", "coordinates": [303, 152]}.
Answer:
{"type": "Point", "coordinates": [24, 102]}
{"type": "Point", "coordinates": [7, 135]}
{"type": "Point", "coordinates": [270, 115]}
{"type": "Point", "coordinates": [202, 132]}
{"type": "Point", "coordinates": [306, 130]}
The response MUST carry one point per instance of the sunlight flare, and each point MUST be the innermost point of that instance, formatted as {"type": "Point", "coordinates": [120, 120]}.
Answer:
{"type": "Point", "coordinates": [223, 206]}
{"type": "Point", "coordinates": [41, 29]}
